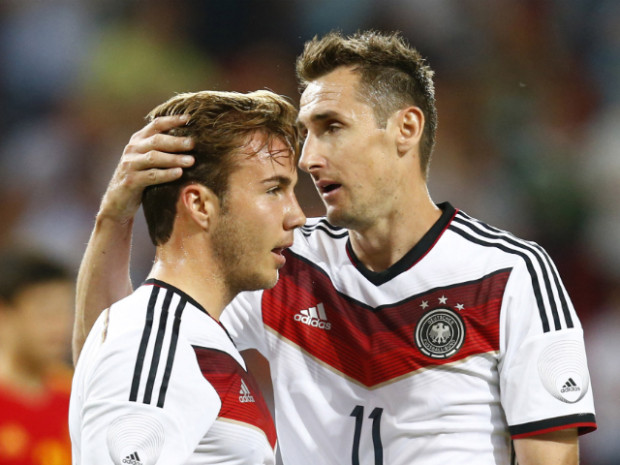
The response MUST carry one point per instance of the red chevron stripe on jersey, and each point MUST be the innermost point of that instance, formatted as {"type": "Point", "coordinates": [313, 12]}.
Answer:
{"type": "Point", "coordinates": [238, 390]}
{"type": "Point", "coordinates": [376, 345]}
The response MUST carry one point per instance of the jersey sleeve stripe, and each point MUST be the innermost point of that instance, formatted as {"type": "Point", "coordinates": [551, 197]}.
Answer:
{"type": "Point", "coordinates": [561, 291]}
{"type": "Point", "coordinates": [171, 352]}
{"type": "Point", "coordinates": [323, 225]}
{"type": "Point", "coordinates": [537, 293]}
{"type": "Point", "coordinates": [307, 232]}
{"type": "Point", "coordinates": [543, 259]}
{"type": "Point", "coordinates": [529, 253]}
{"type": "Point", "coordinates": [133, 395]}
{"type": "Point", "coordinates": [148, 392]}
{"type": "Point", "coordinates": [541, 254]}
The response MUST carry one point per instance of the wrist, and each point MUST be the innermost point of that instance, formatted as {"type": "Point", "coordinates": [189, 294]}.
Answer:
{"type": "Point", "coordinates": [115, 218]}
{"type": "Point", "coordinates": [117, 212]}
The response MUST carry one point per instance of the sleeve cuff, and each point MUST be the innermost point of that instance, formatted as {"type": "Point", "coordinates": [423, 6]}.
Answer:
{"type": "Point", "coordinates": [584, 422]}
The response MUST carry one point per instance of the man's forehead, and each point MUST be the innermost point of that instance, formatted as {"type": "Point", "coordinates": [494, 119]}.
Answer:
{"type": "Point", "coordinates": [268, 151]}
{"type": "Point", "coordinates": [266, 144]}
{"type": "Point", "coordinates": [323, 91]}
{"type": "Point", "coordinates": [328, 93]}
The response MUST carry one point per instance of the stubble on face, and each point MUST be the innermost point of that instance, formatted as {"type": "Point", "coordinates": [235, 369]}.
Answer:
{"type": "Point", "coordinates": [355, 153]}
{"type": "Point", "coordinates": [236, 253]}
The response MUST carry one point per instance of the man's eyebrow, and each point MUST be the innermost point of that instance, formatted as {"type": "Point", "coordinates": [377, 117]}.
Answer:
{"type": "Point", "coordinates": [282, 180]}
{"type": "Point", "coordinates": [316, 117]}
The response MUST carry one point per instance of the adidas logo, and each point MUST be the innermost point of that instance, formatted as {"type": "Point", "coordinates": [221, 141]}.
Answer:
{"type": "Point", "coordinates": [246, 395]}
{"type": "Point", "coordinates": [132, 459]}
{"type": "Point", "coordinates": [315, 317]}
{"type": "Point", "coordinates": [570, 386]}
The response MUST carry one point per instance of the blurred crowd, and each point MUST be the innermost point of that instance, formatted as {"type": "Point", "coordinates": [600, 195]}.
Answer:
{"type": "Point", "coordinates": [528, 94]}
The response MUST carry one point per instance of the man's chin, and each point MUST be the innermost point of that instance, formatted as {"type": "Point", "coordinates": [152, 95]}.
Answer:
{"type": "Point", "coordinates": [272, 283]}
{"type": "Point", "coordinates": [259, 283]}
{"type": "Point", "coordinates": [337, 218]}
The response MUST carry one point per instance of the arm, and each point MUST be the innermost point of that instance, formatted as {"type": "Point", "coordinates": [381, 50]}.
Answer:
{"type": "Point", "coordinates": [555, 448]}
{"type": "Point", "coordinates": [103, 277]}
{"type": "Point", "coordinates": [544, 418]}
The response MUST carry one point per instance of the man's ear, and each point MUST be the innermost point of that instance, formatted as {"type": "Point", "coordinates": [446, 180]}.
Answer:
{"type": "Point", "coordinates": [409, 124]}
{"type": "Point", "coordinates": [200, 204]}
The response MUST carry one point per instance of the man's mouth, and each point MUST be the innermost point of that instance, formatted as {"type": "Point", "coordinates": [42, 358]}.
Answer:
{"type": "Point", "coordinates": [279, 253]}
{"type": "Point", "coordinates": [329, 188]}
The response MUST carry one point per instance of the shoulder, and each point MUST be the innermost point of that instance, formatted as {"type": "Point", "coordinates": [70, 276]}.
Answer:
{"type": "Point", "coordinates": [489, 240]}
{"type": "Point", "coordinates": [319, 238]}
{"type": "Point", "coordinates": [320, 227]}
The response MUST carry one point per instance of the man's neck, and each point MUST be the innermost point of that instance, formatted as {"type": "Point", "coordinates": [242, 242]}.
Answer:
{"type": "Point", "coordinates": [389, 238]}
{"type": "Point", "coordinates": [193, 275]}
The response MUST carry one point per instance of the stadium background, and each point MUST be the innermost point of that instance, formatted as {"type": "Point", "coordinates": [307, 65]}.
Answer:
{"type": "Point", "coordinates": [528, 95]}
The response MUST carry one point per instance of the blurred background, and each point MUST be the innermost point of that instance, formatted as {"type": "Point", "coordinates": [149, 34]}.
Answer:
{"type": "Point", "coordinates": [528, 95]}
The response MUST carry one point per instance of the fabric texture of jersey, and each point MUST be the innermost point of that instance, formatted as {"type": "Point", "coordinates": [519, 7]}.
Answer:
{"type": "Point", "coordinates": [160, 382]}
{"type": "Point", "coordinates": [468, 342]}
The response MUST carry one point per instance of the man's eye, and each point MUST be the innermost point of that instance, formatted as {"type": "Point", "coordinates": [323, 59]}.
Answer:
{"type": "Point", "coordinates": [333, 127]}
{"type": "Point", "coordinates": [274, 190]}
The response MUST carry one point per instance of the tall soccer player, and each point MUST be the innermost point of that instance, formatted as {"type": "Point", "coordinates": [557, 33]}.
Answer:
{"type": "Point", "coordinates": [402, 331]}
{"type": "Point", "coordinates": [159, 379]}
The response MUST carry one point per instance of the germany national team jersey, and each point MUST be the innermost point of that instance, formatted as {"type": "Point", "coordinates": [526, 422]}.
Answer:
{"type": "Point", "coordinates": [160, 381]}
{"type": "Point", "coordinates": [468, 342]}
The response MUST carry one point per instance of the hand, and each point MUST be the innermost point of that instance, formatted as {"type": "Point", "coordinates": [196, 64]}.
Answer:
{"type": "Point", "coordinates": [149, 158]}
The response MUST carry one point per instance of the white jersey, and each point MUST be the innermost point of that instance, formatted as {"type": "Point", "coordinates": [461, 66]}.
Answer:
{"type": "Point", "coordinates": [466, 343]}
{"type": "Point", "coordinates": [160, 382]}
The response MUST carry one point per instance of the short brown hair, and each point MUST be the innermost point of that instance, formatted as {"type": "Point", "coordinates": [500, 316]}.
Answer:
{"type": "Point", "coordinates": [392, 75]}
{"type": "Point", "coordinates": [221, 124]}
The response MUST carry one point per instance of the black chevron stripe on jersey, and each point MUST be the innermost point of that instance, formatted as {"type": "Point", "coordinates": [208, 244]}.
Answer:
{"type": "Point", "coordinates": [326, 227]}
{"type": "Point", "coordinates": [485, 235]}
{"type": "Point", "coordinates": [158, 347]}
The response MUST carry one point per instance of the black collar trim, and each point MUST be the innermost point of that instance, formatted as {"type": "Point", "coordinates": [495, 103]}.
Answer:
{"type": "Point", "coordinates": [157, 282]}
{"type": "Point", "coordinates": [413, 256]}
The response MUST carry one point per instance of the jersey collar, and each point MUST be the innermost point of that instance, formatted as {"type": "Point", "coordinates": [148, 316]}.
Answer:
{"type": "Point", "coordinates": [413, 256]}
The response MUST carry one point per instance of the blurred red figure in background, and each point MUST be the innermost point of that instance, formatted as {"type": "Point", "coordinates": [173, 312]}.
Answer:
{"type": "Point", "coordinates": [36, 298]}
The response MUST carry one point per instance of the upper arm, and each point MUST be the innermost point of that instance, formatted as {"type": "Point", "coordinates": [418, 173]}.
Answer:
{"type": "Point", "coordinates": [553, 448]}
{"type": "Point", "coordinates": [544, 377]}
{"type": "Point", "coordinates": [103, 277]}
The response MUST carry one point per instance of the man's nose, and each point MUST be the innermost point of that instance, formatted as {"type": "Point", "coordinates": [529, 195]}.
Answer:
{"type": "Point", "coordinates": [311, 157]}
{"type": "Point", "coordinates": [295, 216]}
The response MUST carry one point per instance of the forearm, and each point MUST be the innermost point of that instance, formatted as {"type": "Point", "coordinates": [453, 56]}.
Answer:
{"type": "Point", "coordinates": [103, 277]}
{"type": "Point", "coordinates": [556, 448]}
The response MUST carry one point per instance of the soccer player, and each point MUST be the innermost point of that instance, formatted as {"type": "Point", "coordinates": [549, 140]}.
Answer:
{"type": "Point", "coordinates": [159, 379]}
{"type": "Point", "coordinates": [401, 331]}
{"type": "Point", "coordinates": [36, 303]}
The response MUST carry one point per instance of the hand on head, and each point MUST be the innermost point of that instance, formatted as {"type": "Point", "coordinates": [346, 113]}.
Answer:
{"type": "Point", "coordinates": [149, 158]}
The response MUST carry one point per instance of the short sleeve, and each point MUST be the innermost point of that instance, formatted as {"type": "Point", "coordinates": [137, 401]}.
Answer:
{"type": "Point", "coordinates": [544, 378]}
{"type": "Point", "coordinates": [135, 414]}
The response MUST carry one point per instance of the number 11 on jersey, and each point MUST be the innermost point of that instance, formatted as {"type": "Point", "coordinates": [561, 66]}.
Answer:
{"type": "Point", "coordinates": [375, 416]}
